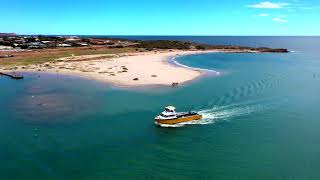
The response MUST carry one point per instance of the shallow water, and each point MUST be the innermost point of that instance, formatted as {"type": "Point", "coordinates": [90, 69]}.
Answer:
{"type": "Point", "coordinates": [261, 121]}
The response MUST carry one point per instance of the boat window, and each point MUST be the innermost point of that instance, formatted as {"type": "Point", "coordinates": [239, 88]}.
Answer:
{"type": "Point", "coordinates": [168, 115]}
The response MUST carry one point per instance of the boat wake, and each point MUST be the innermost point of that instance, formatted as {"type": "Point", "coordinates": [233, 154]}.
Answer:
{"type": "Point", "coordinates": [198, 69]}
{"type": "Point", "coordinates": [226, 112]}
{"type": "Point", "coordinates": [216, 113]}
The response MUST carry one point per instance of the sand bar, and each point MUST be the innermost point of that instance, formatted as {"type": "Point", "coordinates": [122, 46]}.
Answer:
{"type": "Point", "coordinates": [135, 69]}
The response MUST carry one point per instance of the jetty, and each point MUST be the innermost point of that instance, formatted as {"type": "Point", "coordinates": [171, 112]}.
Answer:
{"type": "Point", "coordinates": [12, 75]}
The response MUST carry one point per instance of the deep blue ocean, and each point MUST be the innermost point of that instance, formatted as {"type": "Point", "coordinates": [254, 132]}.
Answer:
{"type": "Point", "coordinates": [294, 43]}
{"type": "Point", "coordinates": [261, 120]}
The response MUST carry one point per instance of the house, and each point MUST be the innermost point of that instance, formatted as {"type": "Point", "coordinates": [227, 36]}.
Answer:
{"type": "Point", "coordinates": [64, 45]}
{"type": "Point", "coordinates": [45, 42]}
{"type": "Point", "coordinates": [83, 44]}
{"type": "Point", "coordinates": [19, 41]}
{"type": "Point", "coordinates": [72, 39]}
{"type": "Point", "coordinates": [5, 47]}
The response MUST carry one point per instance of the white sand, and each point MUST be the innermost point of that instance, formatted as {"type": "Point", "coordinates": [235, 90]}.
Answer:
{"type": "Point", "coordinates": [150, 68]}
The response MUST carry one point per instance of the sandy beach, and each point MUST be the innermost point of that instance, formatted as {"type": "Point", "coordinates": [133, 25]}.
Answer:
{"type": "Point", "coordinates": [134, 69]}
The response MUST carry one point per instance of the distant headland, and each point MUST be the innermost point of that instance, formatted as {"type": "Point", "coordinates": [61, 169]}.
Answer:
{"type": "Point", "coordinates": [119, 61]}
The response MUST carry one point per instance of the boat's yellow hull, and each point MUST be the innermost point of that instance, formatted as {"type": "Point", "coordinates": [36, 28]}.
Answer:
{"type": "Point", "coordinates": [180, 120]}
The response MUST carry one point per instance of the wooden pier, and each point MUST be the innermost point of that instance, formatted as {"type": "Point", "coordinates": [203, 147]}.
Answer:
{"type": "Point", "coordinates": [12, 75]}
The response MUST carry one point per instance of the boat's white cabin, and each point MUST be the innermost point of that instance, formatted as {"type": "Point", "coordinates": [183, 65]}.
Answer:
{"type": "Point", "coordinates": [170, 111]}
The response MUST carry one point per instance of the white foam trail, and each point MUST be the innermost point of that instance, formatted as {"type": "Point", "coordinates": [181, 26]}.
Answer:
{"type": "Point", "coordinates": [199, 69]}
{"type": "Point", "coordinates": [211, 115]}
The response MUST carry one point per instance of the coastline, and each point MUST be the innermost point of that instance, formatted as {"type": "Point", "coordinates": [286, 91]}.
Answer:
{"type": "Point", "coordinates": [126, 70]}
{"type": "Point", "coordinates": [173, 60]}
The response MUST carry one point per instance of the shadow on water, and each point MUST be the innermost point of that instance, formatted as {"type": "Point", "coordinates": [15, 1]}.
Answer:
{"type": "Point", "coordinates": [49, 100]}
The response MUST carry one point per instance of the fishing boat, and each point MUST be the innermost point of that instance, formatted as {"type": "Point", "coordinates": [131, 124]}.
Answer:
{"type": "Point", "coordinates": [170, 117]}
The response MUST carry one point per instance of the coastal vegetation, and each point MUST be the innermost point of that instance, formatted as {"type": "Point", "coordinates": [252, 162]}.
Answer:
{"type": "Point", "coordinates": [24, 50]}
{"type": "Point", "coordinates": [184, 45]}
{"type": "Point", "coordinates": [164, 44]}
{"type": "Point", "coordinates": [44, 55]}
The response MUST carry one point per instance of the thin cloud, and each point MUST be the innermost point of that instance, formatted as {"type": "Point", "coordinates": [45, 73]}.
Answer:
{"type": "Point", "coordinates": [280, 20]}
{"type": "Point", "coordinates": [263, 15]}
{"type": "Point", "coordinates": [301, 6]}
{"type": "Point", "coordinates": [269, 5]}
{"type": "Point", "coordinates": [306, 8]}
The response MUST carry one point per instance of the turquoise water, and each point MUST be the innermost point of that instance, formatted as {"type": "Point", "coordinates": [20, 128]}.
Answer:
{"type": "Point", "coordinates": [261, 122]}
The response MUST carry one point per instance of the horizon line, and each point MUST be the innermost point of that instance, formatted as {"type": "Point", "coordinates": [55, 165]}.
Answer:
{"type": "Point", "coordinates": [148, 35]}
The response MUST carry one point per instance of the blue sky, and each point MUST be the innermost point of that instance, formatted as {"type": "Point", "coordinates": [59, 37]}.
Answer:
{"type": "Point", "coordinates": [161, 17]}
